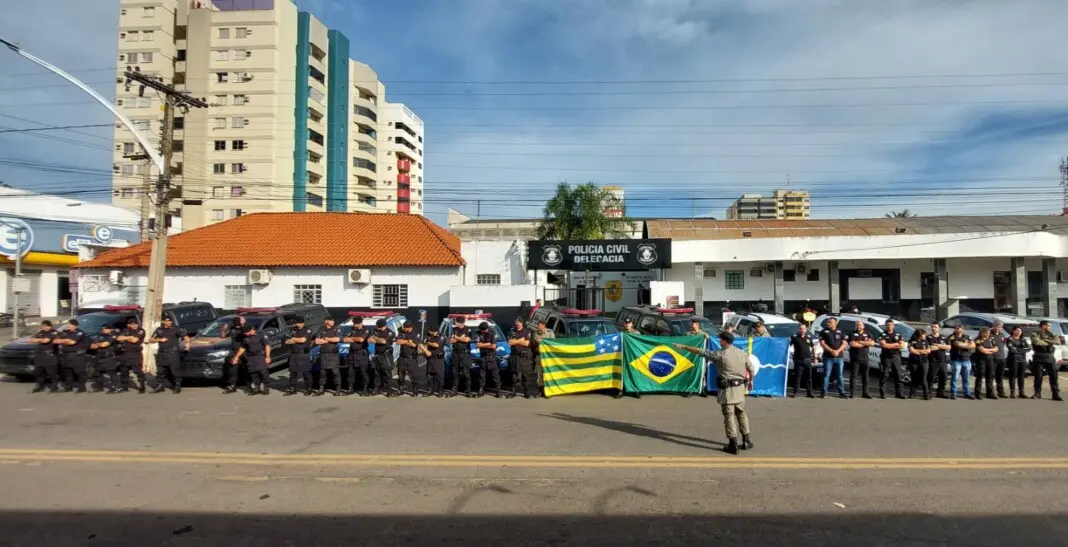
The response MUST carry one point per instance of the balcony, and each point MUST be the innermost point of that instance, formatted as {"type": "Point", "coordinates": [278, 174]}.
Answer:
{"type": "Point", "coordinates": [316, 137]}
{"type": "Point", "coordinates": [403, 194]}
{"type": "Point", "coordinates": [404, 178]}
{"type": "Point", "coordinates": [404, 127]}
{"type": "Point", "coordinates": [405, 143]}
{"type": "Point", "coordinates": [364, 168]}
{"type": "Point", "coordinates": [404, 208]}
{"type": "Point", "coordinates": [366, 182]}
{"type": "Point", "coordinates": [404, 166]}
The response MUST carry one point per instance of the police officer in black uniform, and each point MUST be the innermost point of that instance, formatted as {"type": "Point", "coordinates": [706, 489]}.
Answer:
{"type": "Point", "coordinates": [919, 351]}
{"type": "Point", "coordinates": [327, 339]}
{"type": "Point", "coordinates": [167, 356]}
{"type": "Point", "coordinates": [383, 340]}
{"type": "Point", "coordinates": [937, 360]}
{"type": "Point", "coordinates": [131, 358]}
{"type": "Point", "coordinates": [256, 349]}
{"type": "Point", "coordinates": [461, 358]}
{"type": "Point", "coordinates": [107, 361]}
{"type": "Point", "coordinates": [860, 344]}
{"type": "Point", "coordinates": [891, 344]}
{"type": "Point", "coordinates": [985, 349]}
{"type": "Point", "coordinates": [73, 344]}
{"type": "Point", "coordinates": [45, 361]}
{"type": "Point", "coordinates": [522, 359]}
{"type": "Point", "coordinates": [1018, 346]}
{"type": "Point", "coordinates": [358, 354]}
{"type": "Point", "coordinates": [487, 350]}
{"type": "Point", "coordinates": [803, 359]}
{"type": "Point", "coordinates": [409, 342]}
{"type": "Point", "coordinates": [300, 342]}
{"type": "Point", "coordinates": [434, 349]}
{"type": "Point", "coordinates": [231, 371]}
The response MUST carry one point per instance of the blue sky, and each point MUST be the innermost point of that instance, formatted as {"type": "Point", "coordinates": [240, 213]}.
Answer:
{"type": "Point", "coordinates": [684, 103]}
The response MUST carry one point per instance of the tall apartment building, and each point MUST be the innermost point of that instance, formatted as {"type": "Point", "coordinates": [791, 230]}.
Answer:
{"type": "Point", "coordinates": [294, 123]}
{"type": "Point", "coordinates": [781, 205]}
{"type": "Point", "coordinates": [402, 154]}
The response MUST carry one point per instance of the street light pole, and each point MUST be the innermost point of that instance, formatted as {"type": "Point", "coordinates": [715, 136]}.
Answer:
{"type": "Point", "coordinates": [15, 284]}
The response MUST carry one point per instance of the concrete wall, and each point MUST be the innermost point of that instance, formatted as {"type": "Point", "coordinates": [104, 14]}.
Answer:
{"type": "Point", "coordinates": [504, 258]}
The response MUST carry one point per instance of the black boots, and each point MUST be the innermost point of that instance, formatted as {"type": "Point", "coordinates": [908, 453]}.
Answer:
{"type": "Point", "coordinates": [747, 443]}
{"type": "Point", "coordinates": [732, 446]}
{"type": "Point", "coordinates": [1057, 396]}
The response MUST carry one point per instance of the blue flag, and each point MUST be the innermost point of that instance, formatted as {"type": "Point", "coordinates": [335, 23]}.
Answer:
{"type": "Point", "coordinates": [768, 354]}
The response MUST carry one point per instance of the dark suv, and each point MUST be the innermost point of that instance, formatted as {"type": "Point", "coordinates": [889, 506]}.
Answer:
{"type": "Point", "coordinates": [209, 348]}
{"type": "Point", "coordinates": [16, 358]}
{"type": "Point", "coordinates": [663, 321]}
{"type": "Point", "coordinates": [572, 323]}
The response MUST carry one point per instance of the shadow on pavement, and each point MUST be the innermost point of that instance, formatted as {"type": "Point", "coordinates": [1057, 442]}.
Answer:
{"type": "Point", "coordinates": [57, 529]}
{"type": "Point", "coordinates": [639, 431]}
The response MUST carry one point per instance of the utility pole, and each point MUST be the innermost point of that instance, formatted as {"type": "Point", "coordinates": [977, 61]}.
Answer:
{"type": "Point", "coordinates": [157, 267]}
{"type": "Point", "coordinates": [1064, 185]}
{"type": "Point", "coordinates": [146, 192]}
{"type": "Point", "coordinates": [15, 283]}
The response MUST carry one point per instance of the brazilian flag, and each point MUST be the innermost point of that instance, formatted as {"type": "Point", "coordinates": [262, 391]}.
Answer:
{"type": "Point", "coordinates": [652, 365]}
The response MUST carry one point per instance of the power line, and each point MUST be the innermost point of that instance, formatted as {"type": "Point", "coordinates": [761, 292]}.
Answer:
{"type": "Point", "coordinates": [53, 128]}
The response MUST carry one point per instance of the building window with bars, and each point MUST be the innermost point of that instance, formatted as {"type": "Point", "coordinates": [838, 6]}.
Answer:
{"type": "Point", "coordinates": [488, 279]}
{"type": "Point", "coordinates": [237, 296]}
{"type": "Point", "coordinates": [390, 296]}
{"type": "Point", "coordinates": [308, 294]}
{"type": "Point", "coordinates": [734, 280]}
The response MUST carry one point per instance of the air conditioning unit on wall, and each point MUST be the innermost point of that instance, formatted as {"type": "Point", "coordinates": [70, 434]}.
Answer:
{"type": "Point", "coordinates": [360, 277]}
{"type": "Point", "coordinates": [259, 277]}
{"type": "Point", "coordinates": [801, 269]}
{"type": "Point", "coordinates": [116, 277]}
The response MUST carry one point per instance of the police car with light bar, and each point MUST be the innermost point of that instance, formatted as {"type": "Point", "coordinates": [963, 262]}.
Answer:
{"type": "Point", "coordinates": [571, 322]}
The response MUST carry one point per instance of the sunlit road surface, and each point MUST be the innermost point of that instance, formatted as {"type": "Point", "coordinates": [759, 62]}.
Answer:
{"type": "Point", "coordinates": [202, 468]}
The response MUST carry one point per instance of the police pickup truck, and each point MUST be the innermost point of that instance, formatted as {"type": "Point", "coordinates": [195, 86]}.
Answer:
{"type": "Point", "coordinates": [16, 358]}
{"type": "Point", "coordinates": [210, 347]}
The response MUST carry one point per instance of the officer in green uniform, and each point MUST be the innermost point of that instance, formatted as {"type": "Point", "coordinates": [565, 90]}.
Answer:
{"type": "Point", "coordinates": [734, 377]}
{"type": "Point", "coordinates": [1045, 343]}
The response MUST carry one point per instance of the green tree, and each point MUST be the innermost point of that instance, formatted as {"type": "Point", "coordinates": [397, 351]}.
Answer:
{"type": "Point", "coordinates": [901, 214]}
{"type": "Point", "coordinates": [579, 213]}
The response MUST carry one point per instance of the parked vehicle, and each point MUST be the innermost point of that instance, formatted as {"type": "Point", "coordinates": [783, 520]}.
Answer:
{"type": "Point", "coordinates": [210, 347]}
{"type": "Point", "coordinates": [778, 326]}
{"type": "Point", "coordinates": [973, 321]}
{"type": "Point", "coordinates": [16, 358]}
{"type": "Point", "coordinates": [472, 321]}
{"type": "Point", "coordinates": [658, 321]}
{"type": "Point", "coordinates": [572, 323]}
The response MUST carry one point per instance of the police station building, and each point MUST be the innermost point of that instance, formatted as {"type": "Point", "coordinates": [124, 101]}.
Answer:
{"type": "Point", "coordinates": [48, 232]}
{"type": "Point", "coordinates": [914, 268]}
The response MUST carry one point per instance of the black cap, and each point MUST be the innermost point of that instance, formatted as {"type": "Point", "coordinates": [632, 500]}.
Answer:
{"type": "Point", "coordinates": [236, 322]}
{"type": "Point", "coordinates": [726, 337]}
{"type": "Point", "coordinates": [407, 324]}
{"type": "Point", "coordinates": [432, 328]}
{"type": "Point", "coordinates": [46, 323]}
{"type": "Point", "coordinates": [298, 319]}
{"type": "Point", "coordinates": [133, 321]}
{"type": "Point", "coordinates": [106, 326]}
{"type": "Point", "coordinates": [166, 318]}
{"type": "Point", "coordinates": [380, 323]}
{"type": "Point", "coordinates": [357, 320]}
{"type": "Point", "coordinates": [73, 322]}
{"type": "Point", "coordinates": [483, 325]}
{"type": "Point", "coordinates": [460, 320]}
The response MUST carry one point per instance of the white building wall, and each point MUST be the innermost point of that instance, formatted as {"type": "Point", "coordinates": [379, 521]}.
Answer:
{"type": "Point", "coordinates": [500, 257]}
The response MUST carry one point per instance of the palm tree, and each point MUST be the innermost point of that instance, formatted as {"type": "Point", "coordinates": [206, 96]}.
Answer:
{"type": "Point", "coordinates": [901, 214]}
{"type": "Point", "coordinates": [579, 213]}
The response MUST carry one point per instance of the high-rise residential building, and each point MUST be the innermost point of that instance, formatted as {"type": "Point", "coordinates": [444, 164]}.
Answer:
{"type": "Point", "coordinates": [616, 208]}
{"type": "Point", "coordinates": [781, 205]}
{"type": "Point", "coordinates": [294, 124]}
{"type": "Point", "coordinates": [402, 155]}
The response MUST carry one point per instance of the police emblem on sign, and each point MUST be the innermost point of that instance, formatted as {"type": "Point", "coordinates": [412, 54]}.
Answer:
{"type": "Point", "coordinates": [646, 254]}
{"type": "Point", "coordinates": [551, 255]}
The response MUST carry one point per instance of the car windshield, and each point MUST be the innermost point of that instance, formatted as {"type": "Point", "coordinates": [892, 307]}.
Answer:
{"type": "Point", "coordinates": [92, 322]}
{"type": "Point", "coordinates": [682, 326]}
{"type": "Point", "coordinates": [782, 330]}
{"type": "Point", "coordinates": [904, 330]}
{"type": "Point", "coordinates": [217, 329]}
{"type": "Point", "coordinates": [589, 327]}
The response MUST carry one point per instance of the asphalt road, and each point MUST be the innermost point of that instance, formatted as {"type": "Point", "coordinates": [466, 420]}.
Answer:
{"type": "Point", "coordinates": [201, 468]}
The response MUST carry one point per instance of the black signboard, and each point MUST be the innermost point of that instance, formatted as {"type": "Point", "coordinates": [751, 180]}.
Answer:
{"type": "Point", "coordinates": [599, 255]}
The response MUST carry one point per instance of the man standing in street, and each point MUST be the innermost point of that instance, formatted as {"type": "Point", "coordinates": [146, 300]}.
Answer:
{"type": "Point", "coordinates": [860, 344]}
{"type": "Point", "coordinates": [1001, 358]}
{"type": "Point", "coordinates": [434, 349]}
{"type": "Point", "coordinates": [803, 359]}
{"type": "Point", "coordinates": [1044, 343]}
{"type": "Point", "coordinates": [45, 362]}
{"type": "Point", "coordinates": [461, 358]}
{"type": "Point", "coordinates": [834, 345]}
{"type": "Point", "coordinates": [891, 343]}
{"type": "Point", "coordinates": [358, 353]}
{"type": "Point", "coordinates": [960, 357]}
{"type": "Point", "coordinates": [72, 343]}
{"type": "Point", "coordinates": [409, 342]}
{"type": "Point", "coordinates": [327, 339]}
{"type": "Point", "coordinates": [231, 374]}
{"type": "Point", "coordinates": [938, 359]}
{"type": "Point", "coordinates": [167, 357]}
{"type": "Point", "coordinates": [256, 350]}
{"type": "Point", "coordinates": [107, 362]}
{"type": "Point", "coordinates": [131, 358]}
{"type": "Point", "coordinates": [487, 351]}
{"type": "Point", "coordinates": [734, 376]}
{"type": "Point", "coordinates": [520, 340]}
{"type": "Point", "coordinates": [543, 333]}
{"type": "Point", "coordinates": [383, 340]}
{"type": "Point", "coordinates": [983, 361]}
{"type": "Point", "coordinates": [300, 341]}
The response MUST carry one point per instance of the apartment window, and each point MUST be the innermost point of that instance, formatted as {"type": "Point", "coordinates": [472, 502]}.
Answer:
{"type": "Point", "coordinates": [127, 193]}
{"type": "Point", "coordinates": [734, 280]}
{"type": "Point", "coordinates": [237, 191]}
{"type": "Point", "coordinates": [315, 199]}
{"type": "Point", "coordinates": [366, 164]}
{"type": "Point", "coordinates": [218, 168]}
{"type": "Point", "coordinates": [144, 125]}
{"type": "Point", "coordinates": [222, 77]}
{"type": "Point", "coordinates": [317, 75]}
{"type": "Point", "coordinates": [237, 145]}
{"type": "Point", "coordinates": [146, 57]}
{"type": "Point", "coordinates": [129, 58]}
{"type": "Point", "coordinates": [219, 100]}
{"type": "Point", "coordinates": [222, 55]}
{"type": "Point", "coordinates": [242, 32]}
{"type": "Point", "coordinates": [179, 55]}
{"type": "Point", "coordinates": [142, 102]}
{"type": "Point", "coordinates": [147, 35]}
{"type": "Point", "coordinates": [178, 146]}
{"type": "Point", "coordinates": [813, 275]}
{"type": "Point", "coordinates": [218, 192]}
{"type": "Point", "coordinates": [316, 95]}
{"type": "Point", "coordinates": [390, 296]}
{"type": "Point", "coordinates": [238, 123]}
{"type": "Point", "coordinates": [308, 294]}
{"type": "Point", "coordinates": [789, 276]}
{"type": "Point", "coordinates": [242, 54]}
{"type": "Point", "coordinates": [235, 296]}
{"type": "Point", "coordinates": [128, 148]}
{"type": "Point", "coordinates": [220, 123]}
{"type": "Point", "coordinates": [224, 33]}
{"type": "Point", "coordinates": [127, 170]}
{"type": "Point", "coordinates": [179, 123]}
{"type": "Point", "coordinates": [240, 99]}
{"type": "Point", "coordinates": [316, 137]}
{"type": "Point", "coordinates": [133, 36]}
{"type": "Point", "coordinates": [237, 168]}
{"type": "Point", "coordinates": [148, 12]}
{"type": "Point", "coordinates": [488, 279]}
{"type": "Point", "coordinates": [220, 145]}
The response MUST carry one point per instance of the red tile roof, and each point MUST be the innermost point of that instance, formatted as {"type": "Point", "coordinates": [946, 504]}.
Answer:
{"type": "Point", "coordinates": [352, 240]}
